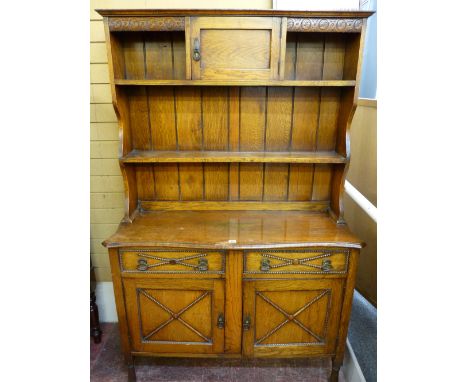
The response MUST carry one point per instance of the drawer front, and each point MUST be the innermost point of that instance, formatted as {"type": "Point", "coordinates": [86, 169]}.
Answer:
{"type": "Point", "coordinates": [300, 262]}
{"type": "Point", "coordinates": [171, 261]}
{"type": "Point", "coordinates": [235, 48]}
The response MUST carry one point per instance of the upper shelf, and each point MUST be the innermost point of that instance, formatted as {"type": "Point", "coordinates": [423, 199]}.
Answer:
{"type": "Point", "coordinates": [138, 156]}
{"type": "Point", "coordinates": [235, 83]}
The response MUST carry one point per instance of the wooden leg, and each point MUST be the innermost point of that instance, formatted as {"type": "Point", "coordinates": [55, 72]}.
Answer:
{"type": "Point", "coordinates": [336, 366]}
{"type": "Point", "coordinates": [96, 331]}
{"type": "Point", "coordinates": [131, 370]}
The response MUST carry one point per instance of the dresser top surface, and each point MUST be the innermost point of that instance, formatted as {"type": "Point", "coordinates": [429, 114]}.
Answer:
{"type": "Point", "coordinates": [233, 12]}
{"type": "Point", "coordinates": [232, 230]}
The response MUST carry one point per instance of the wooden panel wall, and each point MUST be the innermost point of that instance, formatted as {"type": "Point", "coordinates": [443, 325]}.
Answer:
{"type": "Point", "coordinates": [107, 198]}
{"type": "Point", "coordinates": [321, 56]}
{"type": "Point", "coordinates": [366, 229]}
{"type": "Point", "coordinates": [231, 119]}
{"type": "Point", "coordinates": [362, 174]}
{"type": "Point", "coordinates": [363, 167]}
{"type": "Point", "coordinates": [151, 55]}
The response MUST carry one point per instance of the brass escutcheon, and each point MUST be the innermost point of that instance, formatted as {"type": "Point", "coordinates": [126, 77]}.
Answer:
{"type": "Point", "coordinates": [246, 323]}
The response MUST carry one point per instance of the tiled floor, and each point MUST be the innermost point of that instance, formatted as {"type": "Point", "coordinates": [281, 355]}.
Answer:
{"type": "Point", "coordinates": [107, 365]}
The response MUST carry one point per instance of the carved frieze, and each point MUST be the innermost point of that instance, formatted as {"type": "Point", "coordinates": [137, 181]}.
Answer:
{"type": "Point", "coordinates": [324, 25]}
{"type": "Point", "coordinates": [134, 24]}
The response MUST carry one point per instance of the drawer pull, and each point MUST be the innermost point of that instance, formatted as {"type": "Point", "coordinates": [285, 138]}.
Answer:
{"type": "Point", "coordinates": [326, 265]}
{"type": "Point", "coordinates": [265, 265]}
{"type": "Point", "coordinates": [220, 321]}
{"type": "Point", "coordinates": [202, 265]}
{"type": "Point", "coordinates": [142, 265]}
{"type": "Point", "coordinates": [196, 50]}
{"type": "Point", "coordinates": [246, 323]}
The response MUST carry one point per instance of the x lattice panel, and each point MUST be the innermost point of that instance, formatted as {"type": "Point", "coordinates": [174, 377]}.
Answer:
{"type": "Point", "coordinates": [177, 324]}
{"type": "Point", "coordinates": [309, 321]}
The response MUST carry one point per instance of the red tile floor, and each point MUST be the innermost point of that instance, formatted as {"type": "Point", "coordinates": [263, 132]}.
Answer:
{"type": "Point", "coordinates": [107, 365]}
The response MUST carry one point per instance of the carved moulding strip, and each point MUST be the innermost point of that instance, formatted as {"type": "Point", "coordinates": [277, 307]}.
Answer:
{"type": "Point", "coordinates": [324, 25]}
{"type": "Point", "coordinates": [135, 24]}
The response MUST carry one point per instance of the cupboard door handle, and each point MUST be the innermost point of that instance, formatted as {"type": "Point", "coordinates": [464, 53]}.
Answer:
{"type": "Point", "coordinates": [202, 265]}
{"type": "Point", "coordinates": [196, 50]}
{"type": "Point", "coordinates": [220, 321]}
{"type": "Point", "coordinates": [246, 323]}
{"type": "Point", "coordinates": [326, 265]}
{"type": "Point", "coordinates": [265, 265]}
{"type": "Point", "coordinates": [142, 265]}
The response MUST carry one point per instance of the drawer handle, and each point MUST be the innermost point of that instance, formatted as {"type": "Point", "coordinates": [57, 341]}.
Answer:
{"type": "Point", "coordinates": [220, 321]}
{"type": "Point", "coordinates": [202, 265]}
{"type": "Point", "coordinates": [265, 265]}
{"type": "Point", "coordinates": [326, 265]}
{"type": "Point", "coordinates": [246, 323]}
{"type": "Point", "coordinates": [196, 50]}
{"type": "Point", "coordinates": [142, 265]}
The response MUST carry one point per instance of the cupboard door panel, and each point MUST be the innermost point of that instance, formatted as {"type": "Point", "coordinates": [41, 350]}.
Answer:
{"type": "Point", "coordinates": [291, 317]}
{"type": "Point", "coordinates": [175, 316]}
{"type": "Point", "coordinates": [235, 48]}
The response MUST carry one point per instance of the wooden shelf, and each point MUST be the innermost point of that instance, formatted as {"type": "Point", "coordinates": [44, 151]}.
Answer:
{"type": "Point", "coordinates": [232, 230]}
{"type": "Point", "coordinates": [138, 156]}
{"type": "Point", "coordinates": [344, 83]}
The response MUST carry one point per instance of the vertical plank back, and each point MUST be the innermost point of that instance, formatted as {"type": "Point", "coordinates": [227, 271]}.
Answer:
{"type": "Point", "coordinates": [222, 118]}
{"type": "Point", "coordinates": [252, 138]}
{"type": "Point", "coordinates": [215, 116]}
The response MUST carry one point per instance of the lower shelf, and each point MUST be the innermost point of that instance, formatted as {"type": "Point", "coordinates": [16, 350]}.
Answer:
{"type": "Point", "coordinates": [139, 156]}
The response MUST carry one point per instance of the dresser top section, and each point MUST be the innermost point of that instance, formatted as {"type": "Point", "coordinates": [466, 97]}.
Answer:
{"type": "Point", "coordinates": [232, 230]}
{"type": "Point", "coordinates": [232, 12]}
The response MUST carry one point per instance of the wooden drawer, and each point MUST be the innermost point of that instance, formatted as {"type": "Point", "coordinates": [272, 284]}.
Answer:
{"type": "Point", "coordinates": [245, 48]}
{"type": "Point", "coordinates": [300, 262]}
{"type": "Point", "coordinates": [171, 261]}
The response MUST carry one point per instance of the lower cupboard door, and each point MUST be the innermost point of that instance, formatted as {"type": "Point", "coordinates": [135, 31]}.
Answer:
{"type": "Point", "coordinates": [175, 316]}
{"type": "Point", "coordinates": [291, 317]}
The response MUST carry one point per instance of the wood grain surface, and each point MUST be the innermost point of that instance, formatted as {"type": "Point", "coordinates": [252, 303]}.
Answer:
{"type": "Point", "coordinates": [234, 147]}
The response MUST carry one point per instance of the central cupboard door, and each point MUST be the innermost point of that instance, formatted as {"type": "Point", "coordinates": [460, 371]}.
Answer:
{"type": "Point", "coordinates": [175, 315]}
{"type": "Point", "coordinates": [239, 48]}
{"type": "Point", "coordinates": [291, 317]}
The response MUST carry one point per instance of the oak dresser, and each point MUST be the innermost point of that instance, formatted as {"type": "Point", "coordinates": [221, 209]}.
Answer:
{"type": "Point", "coordinates": [234, 148]}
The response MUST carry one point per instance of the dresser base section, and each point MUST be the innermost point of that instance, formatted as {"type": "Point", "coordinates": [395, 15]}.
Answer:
{"type": "Point", "coordinates": [179, 303]}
